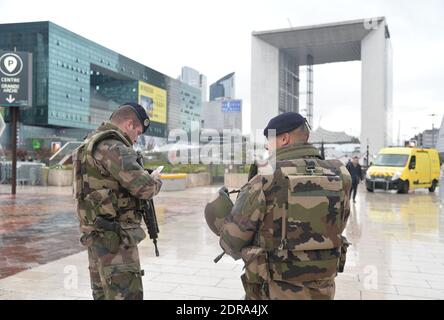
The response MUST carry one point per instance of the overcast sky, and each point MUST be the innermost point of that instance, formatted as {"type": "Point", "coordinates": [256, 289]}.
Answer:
{"type": "Point", "coordinates": [214, 37]}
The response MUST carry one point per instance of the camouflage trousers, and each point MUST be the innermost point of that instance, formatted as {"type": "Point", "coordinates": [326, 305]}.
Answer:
{"type": "Point", "coordinates": [280, 290]}
{"type": "Point", "coordinates": [115, 272]}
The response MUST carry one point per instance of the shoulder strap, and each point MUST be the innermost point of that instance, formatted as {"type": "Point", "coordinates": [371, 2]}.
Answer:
{"type": "Point", "coordinates": [100, 136]}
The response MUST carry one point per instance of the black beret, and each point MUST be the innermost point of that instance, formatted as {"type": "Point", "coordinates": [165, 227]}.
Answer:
{"type": "Point", "coordinates": [285, 122]}
{"type": "Point", "coordinates": [141, 114]}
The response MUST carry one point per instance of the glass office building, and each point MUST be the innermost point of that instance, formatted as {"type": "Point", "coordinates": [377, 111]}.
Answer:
{"type": "Point", "coordinates": [194, 78]}
{"type": "Point", "coordinates": [223, 88]}
{"type": "Point", "coordinates": [77, 83]}
{"type": "Point", "coordinates": [185, 105]}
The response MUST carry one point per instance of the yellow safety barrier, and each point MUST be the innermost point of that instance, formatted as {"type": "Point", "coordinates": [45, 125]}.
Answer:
{"type": "Point", "coordinates": [173, 176]}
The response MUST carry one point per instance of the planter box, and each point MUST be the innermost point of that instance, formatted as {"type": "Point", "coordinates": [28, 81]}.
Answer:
{"type": "Point", "coordinates": [173, 181]}
{"type": "Point", "coordinates": [45, 175]}
{"type": "Point", "coordinates": [198, 179]}
{"type": "Point", "coordinates": [60, 178]}
{"type": "Point", "coordinates": [235, 180]}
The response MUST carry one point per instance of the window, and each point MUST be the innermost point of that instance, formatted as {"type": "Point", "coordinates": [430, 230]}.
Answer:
{"type": "Point", "coordinates": [391, 160]}
{"type": "Point", "coordinates": [412, 164]}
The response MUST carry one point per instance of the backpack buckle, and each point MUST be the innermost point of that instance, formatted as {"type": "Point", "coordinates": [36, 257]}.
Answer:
{"type": "Point", "coordinates": [284, 244]}
{"type": "Point", "coordinates": [310, 167]}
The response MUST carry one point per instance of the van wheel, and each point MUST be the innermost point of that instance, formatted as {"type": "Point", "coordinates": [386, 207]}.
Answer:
{"type": "Point", "coordinates": [404, 187]}
{"type": "Point", "coordinates": [370, 190]}
{"type": "Point", "coordinates": [433, 187]}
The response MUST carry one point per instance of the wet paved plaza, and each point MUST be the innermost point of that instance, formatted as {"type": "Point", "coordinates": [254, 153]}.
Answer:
{"type": "Point", "coordinates": [397, 248]}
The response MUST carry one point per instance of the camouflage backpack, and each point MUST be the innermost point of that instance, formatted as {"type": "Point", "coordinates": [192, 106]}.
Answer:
{"type": "Point", "coordinates": [300, 236]}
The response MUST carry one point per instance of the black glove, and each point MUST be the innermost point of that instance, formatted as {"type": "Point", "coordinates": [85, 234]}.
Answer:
{"type": "Point", "coordinates": [224, 189]}
{"type": "Point", "coordinates": [253, 171]}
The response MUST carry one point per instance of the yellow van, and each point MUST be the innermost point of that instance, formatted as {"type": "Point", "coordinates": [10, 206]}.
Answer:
{"type": "Point", "coordinates": [404, 169]}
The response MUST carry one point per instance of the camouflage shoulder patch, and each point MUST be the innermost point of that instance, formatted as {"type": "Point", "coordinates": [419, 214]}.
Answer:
{"type": "Point", "coordinates": [129, 158]}
{"type": "Point", "coordinates": [121, 163]}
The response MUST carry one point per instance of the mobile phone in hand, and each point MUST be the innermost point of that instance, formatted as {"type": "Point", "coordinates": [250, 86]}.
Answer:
{"type": "Point", "coordinates": [158, 169]}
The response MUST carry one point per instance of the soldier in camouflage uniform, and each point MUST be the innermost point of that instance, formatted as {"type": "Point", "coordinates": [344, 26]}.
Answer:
{"type": "Point", "coordinates": [108, 185]}
{"type": "Point", "coordinates": [287, 223]}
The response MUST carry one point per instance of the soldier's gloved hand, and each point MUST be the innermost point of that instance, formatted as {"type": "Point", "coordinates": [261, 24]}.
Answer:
{"type": "Point", "coordinates": [253, 171]}
{"type": "Point", "coordinates": [155, 175]}
{"type": "Point", "coordinates": [224, 190]}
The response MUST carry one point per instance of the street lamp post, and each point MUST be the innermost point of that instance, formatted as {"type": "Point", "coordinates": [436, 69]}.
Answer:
{"type": "Point", "coordinates": [433, 129]}
{"type": "Point", "coordinates": [417, 135]}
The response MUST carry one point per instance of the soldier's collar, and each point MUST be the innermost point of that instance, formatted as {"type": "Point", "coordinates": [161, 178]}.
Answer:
{"type": "Point", "coordinates": [111, 126]}
{"type": "Point", "coordinates": [295, 151]}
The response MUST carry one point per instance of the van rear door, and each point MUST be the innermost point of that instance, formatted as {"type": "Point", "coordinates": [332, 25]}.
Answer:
{"type": "Point", "coordinates": [423, 167]}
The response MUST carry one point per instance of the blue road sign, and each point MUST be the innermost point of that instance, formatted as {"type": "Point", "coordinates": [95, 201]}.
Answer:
{"type": "Point", "coordinates": [231, 106]}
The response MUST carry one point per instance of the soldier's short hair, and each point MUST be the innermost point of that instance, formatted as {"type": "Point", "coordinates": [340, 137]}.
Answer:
{"type": "Point", "coordinates": [123, 114]}
{"type": "Point", "coordinates": [302, 130]}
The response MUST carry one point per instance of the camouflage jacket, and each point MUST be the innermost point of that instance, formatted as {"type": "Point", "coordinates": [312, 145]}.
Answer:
{"type": "Point", "coordinates": [281, 231]}
{"type": "Point", "coordinates": [109, 180]}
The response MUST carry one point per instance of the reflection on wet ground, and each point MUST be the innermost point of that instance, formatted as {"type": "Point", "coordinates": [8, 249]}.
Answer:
{"type": "Point", "coordinates": [34, 229]}
{"type": "Point", "coordinates": [39, 225]}
{"type": "Point", "coordinates": [398, 243]}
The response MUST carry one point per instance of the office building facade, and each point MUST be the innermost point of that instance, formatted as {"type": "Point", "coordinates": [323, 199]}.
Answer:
{"type": "Point", "coordinates": [222, 114]}
{"type": "Point", "coordinates": [78, 83]}
{"type": "Point", "coordinates": [195, 79]}
{"type": "Point", "coordinates": [184, 105]}
{"type": "Point", "coordinates": [224, 88]}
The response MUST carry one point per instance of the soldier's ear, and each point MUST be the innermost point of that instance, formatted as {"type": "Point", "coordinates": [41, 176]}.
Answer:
{"type": "Point", "coordinates": [286, 138]}
{"type": "Point", "coordinates": [131, 125]}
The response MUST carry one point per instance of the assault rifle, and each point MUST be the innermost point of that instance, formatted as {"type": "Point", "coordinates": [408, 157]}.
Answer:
{"type": "Point", "coordinates": [149, 213]}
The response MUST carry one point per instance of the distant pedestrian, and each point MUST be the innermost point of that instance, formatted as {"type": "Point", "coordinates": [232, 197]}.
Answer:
{"type": "Point", "coordinates": [356, 173]}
